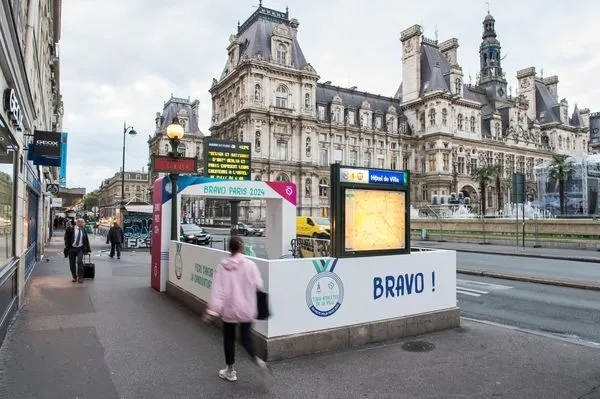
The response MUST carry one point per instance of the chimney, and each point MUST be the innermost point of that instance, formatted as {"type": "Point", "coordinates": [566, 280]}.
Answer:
{"type": "Point", "coordinates": [526, 79]}
{"type": "Point", "coordinates": [551, 83]}
{"type": "Point", "coordinates": [449, 50]}
{"type": "Point", "coordinates": [585, 116]}
{"type": "Point", "coordinates": [411, 62]}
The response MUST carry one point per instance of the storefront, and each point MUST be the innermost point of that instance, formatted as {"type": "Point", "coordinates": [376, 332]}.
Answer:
{"type": "Point", "coordinates": [32, 219]}
{"type": "Point", "coordinates": [8, 260]}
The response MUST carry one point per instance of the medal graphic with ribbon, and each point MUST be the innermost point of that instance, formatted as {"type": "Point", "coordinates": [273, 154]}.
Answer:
{"type": "Point", "coordinates": [325, 291]}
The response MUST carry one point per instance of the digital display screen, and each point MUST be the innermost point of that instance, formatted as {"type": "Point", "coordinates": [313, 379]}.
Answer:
{"type": "Point", "coordinates": [227, 160]}
{"type": "Point", "coordinates": [375, 220]}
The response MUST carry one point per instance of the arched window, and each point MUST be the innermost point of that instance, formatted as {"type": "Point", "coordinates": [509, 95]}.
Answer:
{"type": "Point", "coordinates": [472, 124]}
{"type": "Point", "coordinates": [459, 122]}
{"type": "Point", "coordinates": [560, 141]}
{"type": "Point", "coordinates": [198, 151]}
{"type": "Point", "coordinates": [257, 94]}
{"type": "Point", "coordinates": [323, 186]}
{"type": "Point", "coordinates": [307, 188]}
{"type": "Point", "coordinates": [281, 97]}
{"type": "Point", "coordinates": [281, 54]}
{"type": "Point", "coordinates": [257, 141]}
{"type": "Point", "coordinates": [432, 117]}
{"type": "Point", "coordinates": [444, 116]}
{"type": "Point", "coordinates": [282, 177]}
{"type": "Point", "coordinates": [230, 103]}
{"type": "Point", "coordinates": [568, 143]}
{"type": "Point", "coordinates": [422, 120]}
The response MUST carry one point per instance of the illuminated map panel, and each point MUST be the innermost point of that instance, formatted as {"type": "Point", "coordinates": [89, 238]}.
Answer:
{"type": "Point", "coordinates": [374, 220]}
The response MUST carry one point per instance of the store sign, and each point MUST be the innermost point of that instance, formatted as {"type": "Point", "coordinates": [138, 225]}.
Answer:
{"type": "Point", "coordinates": [13, 108]}
{"type": "Point", "coordinates": [174, 165]}
{"type": "Point", "coordinates": [46, 148]}
{"type": "Point", "coordinates": [52, 189]}
{"type": "Point", "coordinates": [227, 160]}
{"type": "Point", "coordinates": [57, 202]}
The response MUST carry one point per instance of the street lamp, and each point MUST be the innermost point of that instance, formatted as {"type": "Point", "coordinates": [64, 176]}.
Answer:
{"type": "Point", "coordinates": [132, 132]}
{"type": "Point", "coordinates": [175, 134]}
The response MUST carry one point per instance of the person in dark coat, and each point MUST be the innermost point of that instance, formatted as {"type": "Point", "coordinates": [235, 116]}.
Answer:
{"type": "Point", "coordinates": [116, 238]}
{"type": "Point", "coordinates": [77, 244]}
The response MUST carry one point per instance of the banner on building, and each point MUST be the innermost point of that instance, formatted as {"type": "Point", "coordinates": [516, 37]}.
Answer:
{"type": "Point", "coordinates": [62, 175]}
{"type": "Point", "coordinates": [46, 148]}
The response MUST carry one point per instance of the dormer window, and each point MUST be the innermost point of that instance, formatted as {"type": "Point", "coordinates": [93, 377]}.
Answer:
{"type": "Point", "coordinates": [457, 86]}
{"type": "Point", "coordinates": [281, 54]}
{"type": "Point", "coordinates": [281, 97]}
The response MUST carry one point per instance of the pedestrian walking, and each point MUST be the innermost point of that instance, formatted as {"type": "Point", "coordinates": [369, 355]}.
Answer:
{"type": "Point", "coordinates": [233, 298]}
{"type": "Point", "coordinates": [77, 244]}
{"type": "Point", "coordinates": [115, 237]}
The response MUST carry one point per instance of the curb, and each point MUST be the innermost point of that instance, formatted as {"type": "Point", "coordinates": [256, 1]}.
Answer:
{"type": "Point", "coordinates": [540, 256]}
{"type": "Point", "coordinates": [528, 279]}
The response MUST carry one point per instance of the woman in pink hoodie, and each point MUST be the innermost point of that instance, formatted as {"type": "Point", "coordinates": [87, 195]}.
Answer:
{"type": "Point", "coordinates": [233, 297]}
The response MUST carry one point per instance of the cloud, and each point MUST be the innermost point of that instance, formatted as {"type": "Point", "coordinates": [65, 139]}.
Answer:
{"type": "Point", "coordinates": [120, 61]}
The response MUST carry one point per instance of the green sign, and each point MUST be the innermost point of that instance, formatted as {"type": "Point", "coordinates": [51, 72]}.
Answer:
{"type": "Point", "coordinates": [52, 189]}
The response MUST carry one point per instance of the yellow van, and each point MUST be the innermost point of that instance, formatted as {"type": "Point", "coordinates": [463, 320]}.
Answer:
{"type": "Point", "coordinates": [314, 227]}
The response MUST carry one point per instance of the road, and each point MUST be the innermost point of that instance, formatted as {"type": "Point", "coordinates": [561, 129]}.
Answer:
{"type": "Point", "coordinates": [585, 272]}
{"type": "Point", "coordinates": [565, 312]}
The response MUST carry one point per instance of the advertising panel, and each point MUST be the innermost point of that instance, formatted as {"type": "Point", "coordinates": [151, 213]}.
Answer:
{"type": "Point", "coordinates": [227, 160]}
{"type": "Point", "coordinates": [370, 211]}
{"type": "Point", "coordinates": [62, 174]}
{"type": "Point", "coordinates": [46, 148]}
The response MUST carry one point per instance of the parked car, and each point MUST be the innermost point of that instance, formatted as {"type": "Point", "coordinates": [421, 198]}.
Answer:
{"type": "Point", "coordinates": [247, 230]}
{"type": "Point", "coordinates": [194, 234]}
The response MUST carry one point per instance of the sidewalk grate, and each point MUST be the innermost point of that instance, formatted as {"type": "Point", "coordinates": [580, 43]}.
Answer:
{"type": "Point", "coordinates": [418, 346]}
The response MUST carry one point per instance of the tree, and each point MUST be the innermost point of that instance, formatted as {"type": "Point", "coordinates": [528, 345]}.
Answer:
{"type": "Point", "coordinates": [483, 176]}
{"type": "Point", "coordinates": [561, 170]}
{"type": "Point", "coordinates": [90, 200]}
{"type": "Point", "coordinates": [497, 171]}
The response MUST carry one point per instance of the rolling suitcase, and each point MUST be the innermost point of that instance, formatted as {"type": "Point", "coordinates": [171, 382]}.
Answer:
{"type": "Point", "coordinates": [89, 268]}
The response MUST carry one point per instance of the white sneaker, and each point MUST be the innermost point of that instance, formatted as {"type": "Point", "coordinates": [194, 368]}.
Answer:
{"type": "Point", "coordinates": [265, 373]}
{"type": "Point", "coordinates": [229, 375]}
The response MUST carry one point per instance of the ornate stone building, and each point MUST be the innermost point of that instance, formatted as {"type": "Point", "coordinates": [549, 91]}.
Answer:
{"type": "Point", "coordinates": [437, 126]}
{"type": "Point", "coordinates": [185, 112]}
{"type": "Point", "coordinates": [136, 190]}
{"type": "Point", "coordinates": [595, 133]}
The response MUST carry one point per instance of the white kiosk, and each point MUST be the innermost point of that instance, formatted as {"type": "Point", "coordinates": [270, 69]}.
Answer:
{"type": "Point", "coordinates": [317, 304]}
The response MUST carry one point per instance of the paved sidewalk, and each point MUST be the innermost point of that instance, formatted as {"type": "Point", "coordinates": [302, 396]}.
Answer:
{"type": "Point", "coordinates": [114, 337]}
{"type": "Point", "coordinates": [581, 255]}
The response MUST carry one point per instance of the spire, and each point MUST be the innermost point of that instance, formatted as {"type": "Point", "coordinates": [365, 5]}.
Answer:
{"type": "Point", "coordinates": [489, 55]}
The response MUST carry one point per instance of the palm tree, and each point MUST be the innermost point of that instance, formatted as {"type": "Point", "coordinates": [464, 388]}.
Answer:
{"type": "Point", "coordinates": [561, 170]}
{"type": "Point", "coordinates": [483, 176]}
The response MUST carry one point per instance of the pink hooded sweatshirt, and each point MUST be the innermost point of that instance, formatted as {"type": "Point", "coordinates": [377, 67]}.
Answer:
{"type": "Point", "coordinates": [233, 294]}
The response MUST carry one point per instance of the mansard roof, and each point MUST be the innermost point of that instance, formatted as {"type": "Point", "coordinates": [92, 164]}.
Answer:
{"type": "Point", "coordinates": [435, 69]}
{"type": "Point", "coordinates": [174, 106]}
{"type": "Point", "coordinates": [355, 98]}
{"type": "Point", "coordinates": [548, 109]}
{"type": "Point", "coordinates": [255, 33]}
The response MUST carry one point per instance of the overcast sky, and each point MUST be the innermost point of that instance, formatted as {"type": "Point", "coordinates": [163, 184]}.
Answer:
{"type": "Point", "coordinates": [120, 60]}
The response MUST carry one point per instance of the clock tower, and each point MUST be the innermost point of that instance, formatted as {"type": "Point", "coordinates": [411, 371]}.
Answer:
{"type": "Point", "coordinates": [491, 76]}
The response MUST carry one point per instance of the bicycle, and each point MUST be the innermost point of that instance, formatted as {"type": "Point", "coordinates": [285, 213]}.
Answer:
{"type": "Point", "coordinates": [294, 251]}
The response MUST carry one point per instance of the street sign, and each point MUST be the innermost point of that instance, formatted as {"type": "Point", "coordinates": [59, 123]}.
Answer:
{"type": "Point", "coordinates": [161, 163]}
{"type": "Point", "coordinates": [52, 189]}
{"type": "Point", "coordinates": [227, 159]}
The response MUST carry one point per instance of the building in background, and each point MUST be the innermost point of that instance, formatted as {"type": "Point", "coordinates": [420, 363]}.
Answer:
{"type": "Point", "coordinates": [184, 112]}
{"type": "Point", "coordinates": [30, 87]}
{"type": "Point", "coordinates": [436, 125]}
{"type": "Point", "coordinates": [137, 192]}
{"type": "Point", "coordinates": [595, 133]}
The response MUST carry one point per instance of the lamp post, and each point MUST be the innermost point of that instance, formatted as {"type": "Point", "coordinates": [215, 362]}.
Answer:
{"type": "Point", "coordinates": [175, 134]}
{"type": "Point", "coordinates": [132, 132]}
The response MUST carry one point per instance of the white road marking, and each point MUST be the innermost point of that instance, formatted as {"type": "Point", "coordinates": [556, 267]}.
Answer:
{"type": "Point", "coordinates": [472, 290]}
{"type": "Point", "coordinates": [479, 284]}
{"type": "Point", "coordinates": [458, 291]}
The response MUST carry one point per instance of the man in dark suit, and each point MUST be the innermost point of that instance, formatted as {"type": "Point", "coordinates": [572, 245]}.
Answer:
{"type": "Point", "coordinates": [77, 243]}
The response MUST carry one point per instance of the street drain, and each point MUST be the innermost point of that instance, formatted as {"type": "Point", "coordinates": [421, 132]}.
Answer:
{"type": "Point", "coordinates": [418, 346]}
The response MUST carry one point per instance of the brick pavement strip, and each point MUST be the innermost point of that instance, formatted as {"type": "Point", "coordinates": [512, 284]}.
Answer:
{"type": "Point", "coordinates": [132, 342]}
